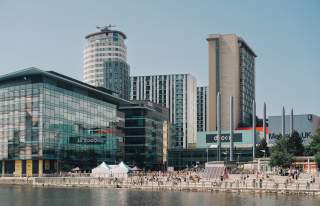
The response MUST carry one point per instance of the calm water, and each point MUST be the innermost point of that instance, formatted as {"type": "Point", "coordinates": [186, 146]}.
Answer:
{"type": "Point", "coordinates": [27, 195]}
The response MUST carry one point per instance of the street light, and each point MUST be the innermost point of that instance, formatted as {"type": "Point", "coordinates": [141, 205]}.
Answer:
{"type": "Point", "coordinates": [238, 159]}
{"type": "Point", "coordinates": [210, 146]}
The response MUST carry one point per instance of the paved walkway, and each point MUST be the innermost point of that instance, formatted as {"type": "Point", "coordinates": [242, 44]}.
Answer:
{"type": "Point", "coordinates": [235, 183]}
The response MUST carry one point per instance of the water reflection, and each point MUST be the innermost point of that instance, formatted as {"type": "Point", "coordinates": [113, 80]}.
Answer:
{"type": "Point", "coordinates": [28, 195]}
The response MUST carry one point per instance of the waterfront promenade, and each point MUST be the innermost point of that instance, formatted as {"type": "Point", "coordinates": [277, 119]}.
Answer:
{"type": "Point", "coordinates": [235, 183]}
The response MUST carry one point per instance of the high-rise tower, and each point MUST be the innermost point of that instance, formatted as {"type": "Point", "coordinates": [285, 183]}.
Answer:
{"type": "Point", "coordinates": [232, 73]}
{"type": "Point", "coordinates": [105, 61]}
{"type": "Point", "coordinates": [177, 92]}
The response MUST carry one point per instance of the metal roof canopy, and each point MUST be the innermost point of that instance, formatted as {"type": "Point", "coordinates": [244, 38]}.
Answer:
{"type": "Point", "coordinates": [107, 95]}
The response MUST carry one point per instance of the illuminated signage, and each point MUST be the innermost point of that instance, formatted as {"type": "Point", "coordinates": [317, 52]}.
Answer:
{"type": "Point", "coordinates": [86, 140]}
{"type": "Point", "coordinates": [225, 137]}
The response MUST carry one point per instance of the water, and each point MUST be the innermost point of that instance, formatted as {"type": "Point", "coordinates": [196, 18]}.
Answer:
{"type": "Point", "coordinates": [32, 196]}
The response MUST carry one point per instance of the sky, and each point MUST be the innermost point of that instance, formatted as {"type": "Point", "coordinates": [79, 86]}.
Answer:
{"type": "Point", "coordinates": [169, 36]}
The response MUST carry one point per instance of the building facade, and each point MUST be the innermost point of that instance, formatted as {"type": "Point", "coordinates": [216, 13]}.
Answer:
{"type": "Point", "coordinates": [50, 122]}
{"type": "Point", "coordinates": [305, 124]}
{"type": "Point", "coordinates": [242, 138]}
{"type": "Point", "coordinates": [146, 134]}
{"type": "Point", "coordinates": [177, 92]}
{"type": "Point", "coordinates": [180, 158]}
{"type": "Point", "coordinates": [232, 73]}
{"type": "Point", "coordinates": [202, 110]}
{"type": "Point", "coordinates": [206, 148]}
{"type": "Point", "coordinates": [105, 61]}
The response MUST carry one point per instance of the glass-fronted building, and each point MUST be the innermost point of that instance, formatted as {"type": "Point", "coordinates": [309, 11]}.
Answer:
{"type": "Point", "coordinates": [188, 158]}
{"type": "Point", "coordinates": [147, 133]}
{"type": "Point", "coordinates": [206, 148]}
{"type": "Point", "coordinates": [50, 122]}
{"type": "Point", "coordinates": [117, 74]}
{"type": "Point", "coordinates": [178, 93]}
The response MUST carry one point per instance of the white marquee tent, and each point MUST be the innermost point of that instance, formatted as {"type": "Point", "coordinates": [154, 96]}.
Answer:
{"type": "Point", "coordinates": [119, 171]}
{"type": "Point", "coordinates": [102, 170]}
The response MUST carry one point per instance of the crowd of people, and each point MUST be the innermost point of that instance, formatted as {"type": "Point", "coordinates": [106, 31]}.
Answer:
{"type": "Point", "coordinates": [174, 177]}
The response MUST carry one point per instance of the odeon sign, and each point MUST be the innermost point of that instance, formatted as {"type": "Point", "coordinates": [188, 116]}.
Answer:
{"type": "Point", "coordinates": [223, 138]}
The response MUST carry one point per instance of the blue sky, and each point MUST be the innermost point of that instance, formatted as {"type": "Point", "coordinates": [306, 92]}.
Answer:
{"type": "Point", "coordinates": [170, 37]}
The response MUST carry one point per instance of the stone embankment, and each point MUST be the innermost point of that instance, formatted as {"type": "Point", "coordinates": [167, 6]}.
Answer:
{"type": "Point", "coordinates": [15, 180]}
{"type": "Point", "coordinates": [202, 186]}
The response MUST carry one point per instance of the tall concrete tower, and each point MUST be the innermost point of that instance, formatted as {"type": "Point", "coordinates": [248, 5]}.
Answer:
{"type": "Point", "coordinates": [232, 73]}
{"type": "Point", "coordinates": [105, 61]}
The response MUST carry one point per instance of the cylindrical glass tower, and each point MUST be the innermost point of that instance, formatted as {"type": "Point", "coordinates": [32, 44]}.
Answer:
{"type": "Point", "coordinates": [105, 61]}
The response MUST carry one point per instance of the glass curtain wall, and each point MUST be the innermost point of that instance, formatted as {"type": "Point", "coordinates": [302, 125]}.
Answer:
{"type": "Point", "coordinates": [143, 139]}
{"type": "Point", "coordinates": [44, 121]}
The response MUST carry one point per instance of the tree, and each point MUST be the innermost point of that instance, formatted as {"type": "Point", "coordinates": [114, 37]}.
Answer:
{"type": "Point", "coordinates": [263, 146]}
{"type": "Point", "coordinates": [308, 151]}
{"type": "Point", "coordinates": [314, 147]}
{"type": "Point", "coordinates": [281, 159]}
{"type": "Point", "coordinates": [280, 155]}
{"type": "Point", "coordinates": [317, 159]}
{"type": "Point", "coordinates": [295, 144]}
{"type": "Point", "coordinates": [281, 144]}
{"type": "Point", "coordinates": [315, 143]}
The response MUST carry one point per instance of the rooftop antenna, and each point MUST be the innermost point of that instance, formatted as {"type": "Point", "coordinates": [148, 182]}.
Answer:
{"type": "Point", "coordinates": [105, 28]}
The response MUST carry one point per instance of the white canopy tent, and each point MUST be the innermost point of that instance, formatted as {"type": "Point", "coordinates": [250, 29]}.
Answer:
{"type": "Point", "coordinates": [135, 168]}
{"type": "Point", "coordinates": [102, 170]}
{"type": "Point", "coordinates": [120, 170]}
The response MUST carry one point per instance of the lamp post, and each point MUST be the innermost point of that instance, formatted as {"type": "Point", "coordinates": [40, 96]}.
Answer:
{"type": "Point", "coordinates": [219, 124]}
{"type": "Point", "coordinates": [231, 128]}
{"type": "Point", "coordinates": [254, 129]}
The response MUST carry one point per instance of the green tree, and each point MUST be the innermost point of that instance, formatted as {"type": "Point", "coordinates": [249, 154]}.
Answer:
{"type": "Point", "coordinates": [281, 159]}
{"type": "Point", "coordinates": [314, 147]}
{"type": "Point", "coordinates": [281, 144]}
{"type": "Point", "coordinates": [317, 159]}
{"type": "Point", "coordinates": [315, 143]}
{"type": "Point", "coordinates": [308, 151]}
{"type": "Point", "coordinates": [263, 146]}
{"type": "Point", "coordinates": [295, 144]}
{"type": "Point", "coordinates": [279, 154]}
